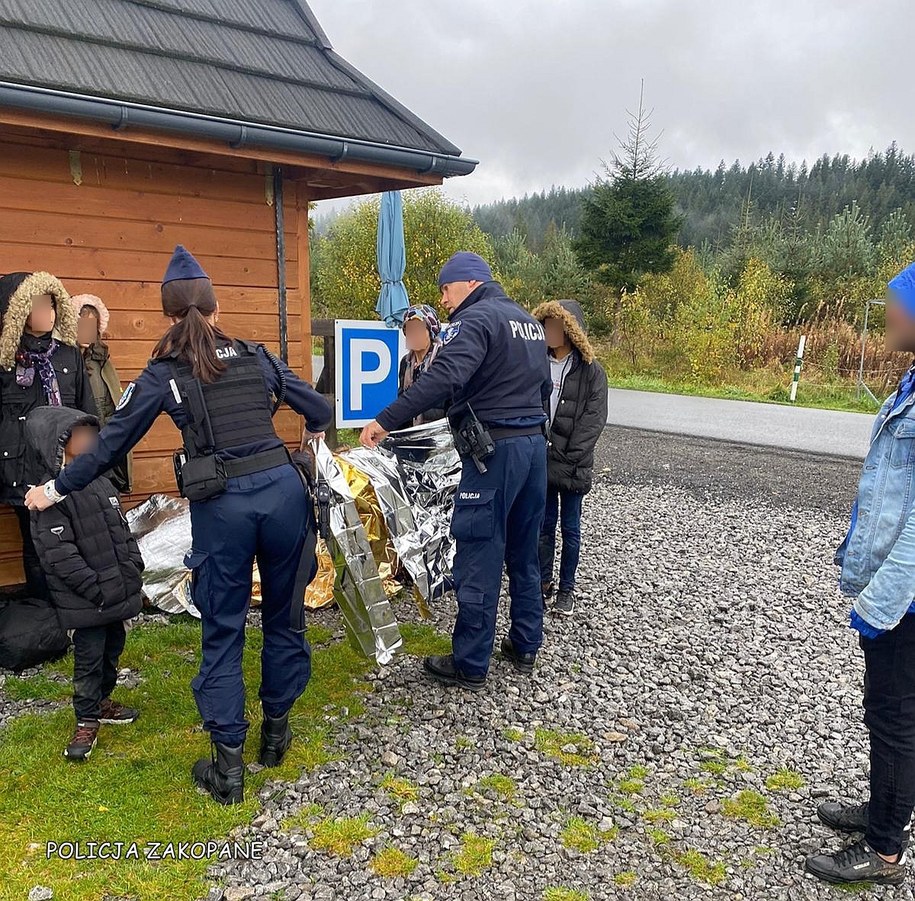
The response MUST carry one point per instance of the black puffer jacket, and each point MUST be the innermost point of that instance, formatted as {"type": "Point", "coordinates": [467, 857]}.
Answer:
{"type": "Point", "coordinates": [581, 413]}
{"type": "Point", "coordinates": [91, 560]}
{"type": "Point", "coordinates": [18, 467]}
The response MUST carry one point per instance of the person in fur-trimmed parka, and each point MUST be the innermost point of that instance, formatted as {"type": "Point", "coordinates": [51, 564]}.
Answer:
{"type": "Point", "coordinates": [39, 366]}
{"type": "Point", "coordinates": [577, 411]}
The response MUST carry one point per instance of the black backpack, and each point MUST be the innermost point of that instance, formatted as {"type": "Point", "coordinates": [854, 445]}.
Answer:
{"type": "Point", "coordinates": [30, 634]}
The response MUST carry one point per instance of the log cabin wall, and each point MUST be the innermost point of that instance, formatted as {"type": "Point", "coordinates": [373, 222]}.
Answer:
{"type": "Point", "coordinates": [106, 223]}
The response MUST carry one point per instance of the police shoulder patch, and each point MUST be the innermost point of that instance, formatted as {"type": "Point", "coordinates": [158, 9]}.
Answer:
{"type": "Point", "coordinates": [126, 396]}
{"type": "Point", "coordinates": [451, 332]}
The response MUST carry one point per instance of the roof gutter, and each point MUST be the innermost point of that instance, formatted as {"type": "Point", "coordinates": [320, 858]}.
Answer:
{"type": "Point", "coordinates": [120, 115]}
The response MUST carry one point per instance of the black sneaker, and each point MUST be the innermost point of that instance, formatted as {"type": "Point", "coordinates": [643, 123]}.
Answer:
{"type": "Point", "coordinates": [443, 670]}
{"type": "Point", "coordinates": [843, 817]}
{"type": "Point", "coordinates": [524, 663]}
{"type": "Point", "coordinates": [565, 603]}
{"type": "Point", "coordinates": [83, 741]}
{"type": "Point", "coordinates": [856, 863]}
{"type": "Point", "coordinates": [114, 713]}
{"type": "Point", "coordinates": [546, 589]}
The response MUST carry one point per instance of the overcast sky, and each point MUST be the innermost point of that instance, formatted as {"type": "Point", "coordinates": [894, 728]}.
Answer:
{"type": "Point", "coordinates": [536, 89]}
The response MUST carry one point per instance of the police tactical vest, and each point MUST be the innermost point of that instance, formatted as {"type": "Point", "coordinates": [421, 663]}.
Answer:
{"type": "Point", "coordinates": [237, 404]}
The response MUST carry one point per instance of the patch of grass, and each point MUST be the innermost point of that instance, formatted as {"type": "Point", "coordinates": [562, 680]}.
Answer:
{"type": "Point", "coordinates": [697, 786]}
{"type": "Point", "coordinates": [422, 640]}
{"type": "Point", "coordinates": [318, 634]}
{"type": "Point", "coordinates": [474, 855]}
{"type": "Point", "coordinates": [40, 687]}
{"type": "Point", "coordinates": [513, 734]}
{"type": "Point", "coordinates": [501, 785]}
{"type": "Point", "coordinates": [658, 837]}
{"type": "Point", "coordinates": [304, 818]}
{"type": "Point", "coordinates": [559, 893]}
{"type": "Point", "coordinates": [700, 867]}
{"type": "Point", "coordinates": [714, 767]}
{"type": "Point", "coordinates": [751, 807]}
{"type": "Point", "coordinates": [742, 765]}
{"type": "Point", "coordinates": [670, 800]}
{"type": "Point", "coordinates": [626, 804]}
{"type": "Point", "coordinates": [624, 879]}
{"type": "Point", "coordinates": [571, 749]}
{"type": "Point", "coordinates": [391, 863]}
{"type": "Point", "coordinates": [137, 785]}
{"type": "Point", "coordinates": [660, 815]}
{"type": "Point", "coordinates": [338, 836]}
{"type": "Point", "coordinates": [402, 790]}
{"type": "Point", "coordinates": [463, 743]}
{"type": "Point", "coordinates": [785, 780]}
{"type": "Point", "coordinates": [584, 837]}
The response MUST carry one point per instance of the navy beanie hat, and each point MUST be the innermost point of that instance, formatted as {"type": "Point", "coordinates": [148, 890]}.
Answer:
{"type": "Point", "coordinates": [465, 266]}
{"type": "Point", "coordinates": [183, 266]}
{"type": "Point", "coordinates": [903, 288]}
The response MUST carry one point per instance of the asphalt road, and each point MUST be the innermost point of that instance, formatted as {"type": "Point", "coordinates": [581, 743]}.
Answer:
{"type": "Point", "coordinates": [725, 470]}
{"type": "Point", "coordinates": [772, 425]}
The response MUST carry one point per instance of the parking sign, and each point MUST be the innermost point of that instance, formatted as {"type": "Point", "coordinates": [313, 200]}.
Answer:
{"type": "Point", "coordinates": [367, 359]}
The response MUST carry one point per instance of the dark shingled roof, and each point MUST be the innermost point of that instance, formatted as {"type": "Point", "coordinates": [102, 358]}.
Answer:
{"type": "Point", "coordinates": [259, 62]}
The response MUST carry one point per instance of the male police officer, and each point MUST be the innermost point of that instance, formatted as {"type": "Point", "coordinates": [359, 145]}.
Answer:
{"type": "Point", "coordinates": [492, 375]}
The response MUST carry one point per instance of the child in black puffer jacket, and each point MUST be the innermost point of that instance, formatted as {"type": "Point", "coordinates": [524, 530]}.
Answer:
{"type": "Point", "coordinates": [93, 568]}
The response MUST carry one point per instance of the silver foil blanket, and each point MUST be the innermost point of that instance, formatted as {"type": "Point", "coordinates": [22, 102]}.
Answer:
{"type": "Point", "coordinates": [415, 473]}
{"type": "Point", "coordinates": [368, 614]}
{"type": "Point", "coordinates": [162, 527]}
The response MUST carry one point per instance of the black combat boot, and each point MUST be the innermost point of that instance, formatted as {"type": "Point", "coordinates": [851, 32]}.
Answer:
{"type": "Point", "coordinates": [276, 737]}
{"type": "Point", "coordinates": [223, 776]}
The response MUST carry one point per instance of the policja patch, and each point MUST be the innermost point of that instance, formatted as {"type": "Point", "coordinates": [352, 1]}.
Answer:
{"type": "Point", "coordinates": [125, 397]}
{"type": "Point", "coordinates": [450, 332]}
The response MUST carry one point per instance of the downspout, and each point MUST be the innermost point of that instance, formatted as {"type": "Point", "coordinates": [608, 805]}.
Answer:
{"type": "Point", "coordinates": [281, 261]}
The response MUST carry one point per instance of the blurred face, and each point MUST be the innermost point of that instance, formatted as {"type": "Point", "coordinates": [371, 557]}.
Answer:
{"type": "Point", "coordinates": [455, 293]}
{"type": "Point", "coordinates": [555, 333]}
{"type": "Point", "coordinates": [87, 327]}
{"type": "Point", "coordinates": [417, 335]}
{"type": "Point", "coordinates": [43, 315]}
{"type": "Point", "coordinates": [82, 440]}
{"type": "Point", "coordinates": [900, 326]}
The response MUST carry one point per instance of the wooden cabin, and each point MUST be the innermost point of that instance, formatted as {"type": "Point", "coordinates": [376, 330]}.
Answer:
{"type": "Point", "coordinates": [130, 126]}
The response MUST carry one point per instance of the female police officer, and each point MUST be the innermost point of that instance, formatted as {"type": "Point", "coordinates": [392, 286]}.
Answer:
{"type": "Point", "coordinates": [247, 502]}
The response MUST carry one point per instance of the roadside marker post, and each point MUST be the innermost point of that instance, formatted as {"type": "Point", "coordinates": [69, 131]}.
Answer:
{"type": "Point", "coordinates": [798, 363]}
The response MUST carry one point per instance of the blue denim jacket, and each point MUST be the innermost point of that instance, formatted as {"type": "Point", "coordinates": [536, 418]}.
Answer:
{"type": "Point", "coordinates": [878, 554]}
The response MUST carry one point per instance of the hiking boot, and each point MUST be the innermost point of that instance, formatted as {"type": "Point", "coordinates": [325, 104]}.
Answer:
{"type": "Point", "coordinates": [223, 776]}
{"type": "Point", "coordinates": [114, 713]}
{"type": "Point", "coordinates": [276, 737]}
{"type": "Point", "coordinates": [565, 603]}
{"type": "Point", "coordinates": [524, 663]}
{"type": "Point", "coordinates": [856, 863]}
{"type": "Point", "coordinates": [843, 817]}
{"type": "Point", "coordinates": [83, 741]}
{"type": "Point", "coordinates": [443, 670]}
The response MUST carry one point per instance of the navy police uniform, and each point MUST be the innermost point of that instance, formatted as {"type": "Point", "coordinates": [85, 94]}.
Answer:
{"type": "Point", "coordinates": [262, 515]}
{"type": "Point", "coordinates": [494, 362]}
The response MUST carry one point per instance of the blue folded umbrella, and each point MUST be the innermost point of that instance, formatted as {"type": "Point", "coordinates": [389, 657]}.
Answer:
{"type": "Point", "coordinates": [392, 260]}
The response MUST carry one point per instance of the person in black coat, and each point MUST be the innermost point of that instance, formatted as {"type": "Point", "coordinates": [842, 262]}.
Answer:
{"type": "Point", "coordinates": [40, 365]}
{"type": "Point", "coordinates": [93, 568]}
{"type": "Point", "coordinates": [577, 411]}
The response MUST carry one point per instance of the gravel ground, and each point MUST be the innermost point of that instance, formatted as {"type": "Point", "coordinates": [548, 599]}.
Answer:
{"type": "Point", "coordinates": [709, 652]}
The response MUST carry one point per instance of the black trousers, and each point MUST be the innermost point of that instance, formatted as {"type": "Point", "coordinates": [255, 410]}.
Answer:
{"type": "Point", "coordinates": [889, 714]}
{"type": "Point", "coordinates": [35, 581]}
{"type": "Point", "coordinates": [96, 652]}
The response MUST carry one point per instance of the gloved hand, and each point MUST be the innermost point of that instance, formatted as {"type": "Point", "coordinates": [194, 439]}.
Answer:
{"type": "Point", "coordinates": [863, 626]}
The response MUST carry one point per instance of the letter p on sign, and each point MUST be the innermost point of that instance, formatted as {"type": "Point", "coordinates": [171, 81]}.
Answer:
{"type": "Point", "coordinates": [367, 361]}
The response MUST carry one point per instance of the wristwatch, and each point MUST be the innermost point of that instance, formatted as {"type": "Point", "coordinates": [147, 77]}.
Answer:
{"type": "Point", "coordinates": [52, 494]}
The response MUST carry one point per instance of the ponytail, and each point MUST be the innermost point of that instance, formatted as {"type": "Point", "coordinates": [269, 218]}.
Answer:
{"type": "Point", "coordinates": [192, 339]}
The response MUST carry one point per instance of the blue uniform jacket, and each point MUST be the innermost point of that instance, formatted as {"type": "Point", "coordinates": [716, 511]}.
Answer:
{"type": "Point", "coordinates": [493, 358]}
{"type": "Point", "coordinates": [154, 392]}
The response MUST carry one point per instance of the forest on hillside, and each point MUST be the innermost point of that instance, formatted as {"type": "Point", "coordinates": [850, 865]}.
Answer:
{"type": "Point", "coordinates": [714, 203]}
